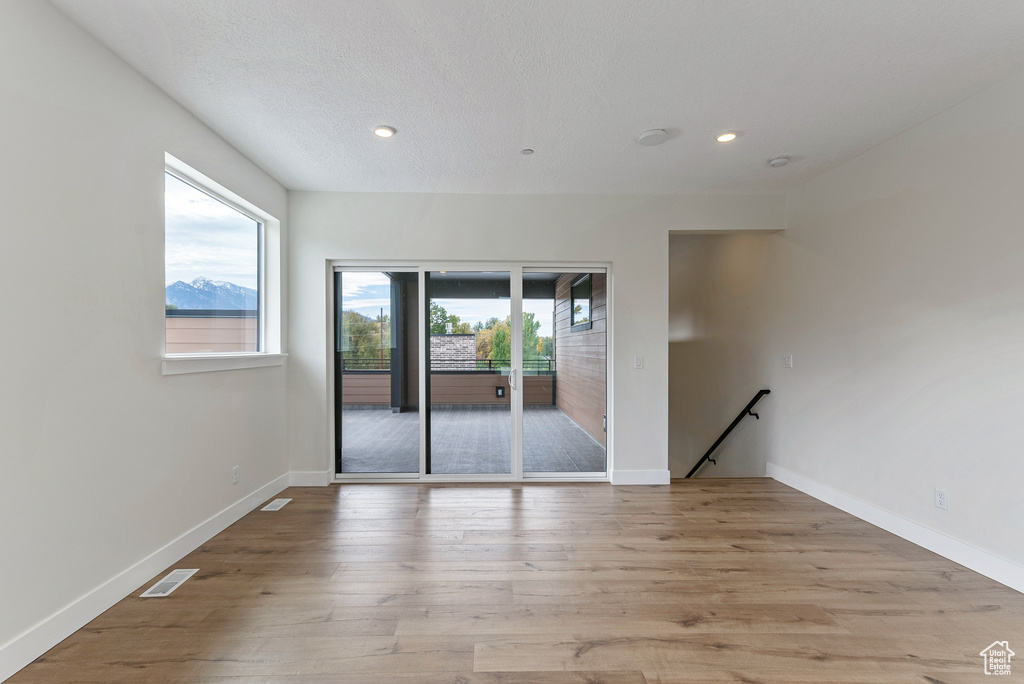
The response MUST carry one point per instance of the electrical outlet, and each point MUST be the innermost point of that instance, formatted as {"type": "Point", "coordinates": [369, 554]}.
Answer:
{"type": "Point", "coordinates": [234, 475]}
{"type": "Point", "coordinates": [787, 361]}
{"type": "Point", "coordinates": [940, 499]}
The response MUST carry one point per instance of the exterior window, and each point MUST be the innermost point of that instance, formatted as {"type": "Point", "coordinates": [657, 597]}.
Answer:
{"type": "Point", "coordinates": [212, 272]}
{"type": "Point", "coordinates": [581, 293]}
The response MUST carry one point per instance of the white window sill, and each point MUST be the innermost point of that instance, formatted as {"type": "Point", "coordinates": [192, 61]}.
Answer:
{"type": "Point", "coordinates": [207, 363]}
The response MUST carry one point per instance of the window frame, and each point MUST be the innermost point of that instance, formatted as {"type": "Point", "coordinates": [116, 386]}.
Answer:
{"type": "Point", "coordinates": [268, 271]}
{"type": "Point", "coordinates": [588, 324]}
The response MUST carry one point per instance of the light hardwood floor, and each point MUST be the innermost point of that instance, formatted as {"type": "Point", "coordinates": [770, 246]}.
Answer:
{"type": "Point", "coordinates": [740, 580]}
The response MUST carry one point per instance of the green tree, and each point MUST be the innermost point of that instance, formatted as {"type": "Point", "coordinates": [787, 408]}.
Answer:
{"type": "Point", "coordinates": [483, 343]}
{"type": "Point", "coordinates": [495, 340]}
{"type": "Point", "coordinates": [545, 347]}
{"type": "Point", "coordinates": [365, 339]}
{"type": "Point", "coordinates": [530, 328]}
{"type": "Point", "coordinates": [501, 343]}
{"type": "Point", "coordinates": [459, 327]}
{"type": "Point", "coordinates": [440, 318]}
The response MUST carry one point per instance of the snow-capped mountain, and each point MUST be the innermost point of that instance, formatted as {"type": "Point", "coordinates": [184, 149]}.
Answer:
{"type": "Point", "coordinates": [203, 293]}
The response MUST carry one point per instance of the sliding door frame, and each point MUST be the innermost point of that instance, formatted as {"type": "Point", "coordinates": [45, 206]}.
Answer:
{"type": "Point", "coordinates": [471, 266]}
{"type": "Point", "coordinates": [332, 407]}
{"type": "Point", "coordinates": [568, 267]}
{"type": "Point", "coordinates": [515, 270]}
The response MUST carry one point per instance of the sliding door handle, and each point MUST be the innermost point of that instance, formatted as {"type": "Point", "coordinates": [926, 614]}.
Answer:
{"type": "Point", "coordinates": [512, 378]}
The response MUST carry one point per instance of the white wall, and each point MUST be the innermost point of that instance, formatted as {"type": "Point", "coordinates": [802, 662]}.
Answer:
{"type": "Point", "coordinates": [716, 364]}
{"type": "Point", "coordinates": [629, 232]}
{"type": "Point", "coordinates": [102, 459]}
{"type": "Point", "coordinates": [898, 287]}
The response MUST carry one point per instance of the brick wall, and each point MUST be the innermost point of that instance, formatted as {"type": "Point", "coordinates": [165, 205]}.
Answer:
{"type": "Point", "coordinates": [456, 352]}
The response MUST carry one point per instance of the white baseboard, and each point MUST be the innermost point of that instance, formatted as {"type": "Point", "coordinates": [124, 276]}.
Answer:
{"type": "Point", "coordinates": [982, 562]}
{"type": "Point", "coordinates": [641, 477]}
{"type": "Point", "coordinates": [311, 478]}
{"type": "Point", "coordinates": [38, 639]}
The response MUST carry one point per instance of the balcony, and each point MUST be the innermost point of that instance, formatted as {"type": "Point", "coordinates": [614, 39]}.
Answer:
{"type": "Point", "coordinates": [468, 414]}
{"type": "Point", "coordinates": [211, 331]}
{"type": "Point", "coordinates": [366, 383]}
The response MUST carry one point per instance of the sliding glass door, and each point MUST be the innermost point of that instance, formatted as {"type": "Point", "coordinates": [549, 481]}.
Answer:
{"type": "Point", "coordinates": [564, 373]}
{"type": "Point", "coordinates": [470, 376]}
{"type": "Point", "coordinates": [461, 374]}
{"type": "Point", "coordinates": [376, 378]}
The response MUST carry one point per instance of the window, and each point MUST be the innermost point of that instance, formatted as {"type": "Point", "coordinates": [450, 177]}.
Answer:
{"type": "Point", "coordinates": [215, 292]}
{"type": "Point", "coordinates": [580, 294]}
{"type": "Point", "coordinates": [211, 271]}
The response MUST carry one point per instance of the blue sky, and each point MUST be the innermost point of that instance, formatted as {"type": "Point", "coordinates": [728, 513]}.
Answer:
{"type": "Point", "coordinates": [205, 237]}
{"type": "Point", "coordinates": [366, 293]}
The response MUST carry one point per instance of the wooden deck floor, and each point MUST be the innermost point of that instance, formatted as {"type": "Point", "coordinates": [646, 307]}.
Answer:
{"type": "Point", "coordinates": [704, 581]}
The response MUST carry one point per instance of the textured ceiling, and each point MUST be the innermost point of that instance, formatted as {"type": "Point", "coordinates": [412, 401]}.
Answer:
{"type": "Point", "coordinates": [297, 85]}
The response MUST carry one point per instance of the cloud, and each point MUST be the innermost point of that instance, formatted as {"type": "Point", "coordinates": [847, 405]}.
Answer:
{"type": "Point", "coordinates": [375, 304]}
{"type": "Point", "coordinates": [358, 283]}
{"type": "Point", "coordinates": [205, 237]}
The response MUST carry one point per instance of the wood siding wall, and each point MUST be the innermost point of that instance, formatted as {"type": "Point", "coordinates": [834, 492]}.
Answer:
{"type": "Point", "coordinates": [207, 335]}
{"type": "Point", "coordinates": [582, 358]}
{"type": "Point", "coordinates": [371, 389]}
{"type": "Point", "coordinates": [446, 388]}
{"type": "Point", "coordinates": [454, 388]}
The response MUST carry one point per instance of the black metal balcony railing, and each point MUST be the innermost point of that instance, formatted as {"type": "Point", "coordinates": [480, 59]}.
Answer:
{"type": "Point", "coordinates": [365, 364]}
{"type": "Point", "coordinates": [489, 365]}
{"type": "Point", "coordinates": [452, 365]}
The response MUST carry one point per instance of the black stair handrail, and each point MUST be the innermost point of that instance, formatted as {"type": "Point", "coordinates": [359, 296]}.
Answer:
{"type": "Point", "coordinates": [743, 414]}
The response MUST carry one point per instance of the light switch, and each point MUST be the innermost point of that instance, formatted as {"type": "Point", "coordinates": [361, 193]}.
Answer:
{"type": "Point", "coordinates": [638, 362]}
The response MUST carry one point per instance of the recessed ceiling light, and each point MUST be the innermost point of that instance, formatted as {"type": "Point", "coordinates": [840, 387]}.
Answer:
{"type": "Point", "coordinates": [526, 151]}
{"type": "Point", "coordinates": [728, 136]}
{"type": "Point", "coordinates": [384, 131]}
{"type": "Point", "coordinates": [776, 162]}
{"type": "Point", "coordinates": [655, 136]}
